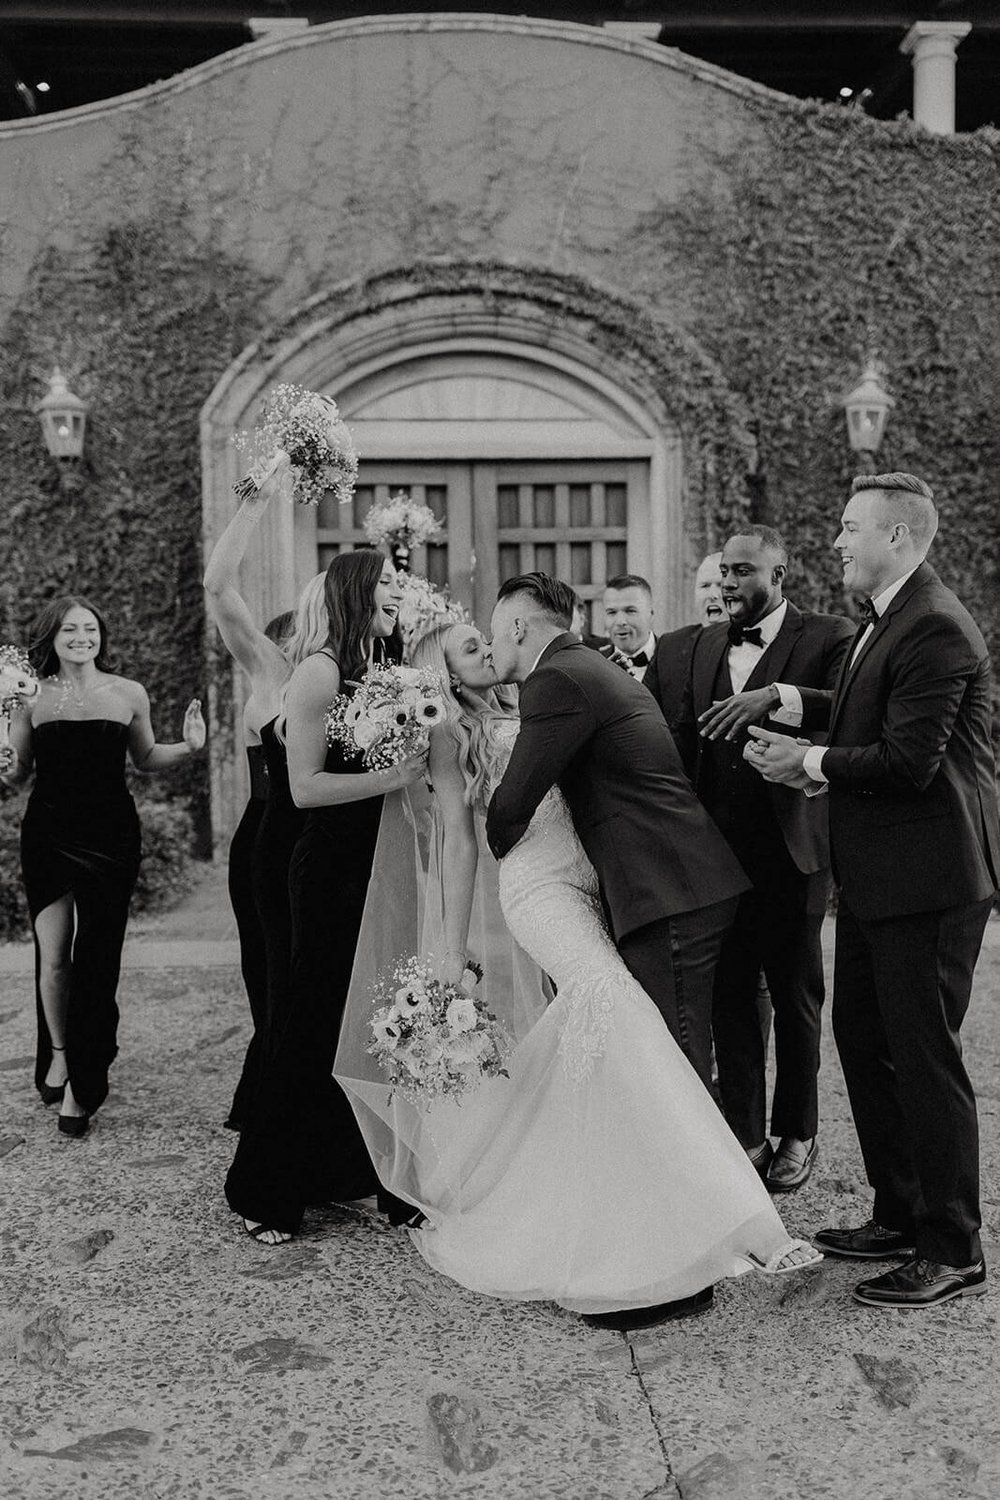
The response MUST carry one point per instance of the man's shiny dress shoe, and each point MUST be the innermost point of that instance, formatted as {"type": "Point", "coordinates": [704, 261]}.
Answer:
{"type": "Point", "coordinates": [868, 1242]}
{"type": "Point", "coordinates": [792, 1165]}
{"type": "Point", "coordinates": [921, 1283]}
{"type": "Point", "coordinates": [649, 1317]}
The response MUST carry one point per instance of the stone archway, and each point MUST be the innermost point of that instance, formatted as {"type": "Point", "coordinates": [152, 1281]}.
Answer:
{"type": "Point", "coordinates": [478, 367]}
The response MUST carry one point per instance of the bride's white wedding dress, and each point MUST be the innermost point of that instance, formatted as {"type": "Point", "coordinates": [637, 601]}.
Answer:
{"type": "Point", "coordinates": [600, 1175]}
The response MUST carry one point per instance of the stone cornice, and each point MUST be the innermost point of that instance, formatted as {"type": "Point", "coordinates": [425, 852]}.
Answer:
{"type": "Point", "coordinates": [370, 27]}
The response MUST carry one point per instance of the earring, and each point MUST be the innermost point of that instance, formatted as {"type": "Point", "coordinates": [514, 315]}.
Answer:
{"type": "Point", "coordinates": [454, 684]}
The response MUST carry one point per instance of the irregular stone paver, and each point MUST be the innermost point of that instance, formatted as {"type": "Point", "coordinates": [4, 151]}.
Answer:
{"type": "Point", "coordinates": [894, 1383]}
{"type": "Point", "coordinates": [9, 1143]}
{"type": "Point", "coordinates": [79, 1251]}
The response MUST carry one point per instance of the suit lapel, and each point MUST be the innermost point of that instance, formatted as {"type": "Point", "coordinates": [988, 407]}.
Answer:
{"type": "Point", "coordinates": [772, 663]}
{"type": "Point", "coordinates": [923, 575]}
{"type": "Point", "coordinates": [709, 649]}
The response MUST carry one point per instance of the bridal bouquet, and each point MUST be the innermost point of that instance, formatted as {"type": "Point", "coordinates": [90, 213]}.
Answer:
{"type": "Point", "coordinates": [307, 430]}
{"type": "Point", "coordinates": [400, 524]}
{"type": "Point", "coordinates": [435, 1040]}
{"type": "Point", "coordinates": [389, 716]}
{"type": "Point", "coordinates": [18, 684]}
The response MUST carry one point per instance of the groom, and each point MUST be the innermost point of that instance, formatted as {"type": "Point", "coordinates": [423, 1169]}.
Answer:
{"type": "Point", "coordinates": [668, 879]}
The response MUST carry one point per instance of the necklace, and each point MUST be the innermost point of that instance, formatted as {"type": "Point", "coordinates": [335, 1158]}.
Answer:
{"type": "Point", "coordinates": [70, 696]}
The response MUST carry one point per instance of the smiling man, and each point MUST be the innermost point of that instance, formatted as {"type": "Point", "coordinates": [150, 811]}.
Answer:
{"type": "Point", "coordinates": [747, 671]}
{"type": "Point", "coordinates": [628, 619]}
{"type": "Point", "coordinates": [910, 773]}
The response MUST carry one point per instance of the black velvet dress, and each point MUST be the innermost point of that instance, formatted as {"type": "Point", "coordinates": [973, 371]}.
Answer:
{"type": "Point", "coordinates": [80, 835]}
{"type": "Point", "coordinates": [253, 963]}
{"type": "Point", "coordinates": [301, 1143]}
{"type": "Point", "coordinates": [280, 829]}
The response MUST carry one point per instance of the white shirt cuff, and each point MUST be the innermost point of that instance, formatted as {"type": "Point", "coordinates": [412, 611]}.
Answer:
{"type": "Point", "coordinates": [790, 712]}
{"type": "Point", "coordinates": [812, 764]}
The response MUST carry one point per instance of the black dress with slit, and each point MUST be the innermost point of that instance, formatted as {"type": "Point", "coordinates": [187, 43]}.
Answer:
{"type": "Point", "coordinates": [279, 832]}
{"type": "Point", "coordinates": [253, 963]}
{"type": "Point", "coordinates": [80, 836]}
{"type": "Point", "coordinates": [301, 1143]}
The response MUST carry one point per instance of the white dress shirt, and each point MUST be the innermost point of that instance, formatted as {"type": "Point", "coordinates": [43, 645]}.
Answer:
{"type": "Point", "coordinates": [813, 762]}
{"type": "Point", "coordinates": [647, 649]}
{"type": "Point", "coordinates": [744, 657]}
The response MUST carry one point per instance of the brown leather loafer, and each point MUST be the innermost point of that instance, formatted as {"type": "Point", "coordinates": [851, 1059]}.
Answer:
{"type": "Point", "coordinates": [921, 1283]}
{"type": "Point", "coordinates": [868, 1242]}
{"type": "Point", "coordinates": [761, 1159]}
{"type": "Point", "coordinates": [792, 1165]}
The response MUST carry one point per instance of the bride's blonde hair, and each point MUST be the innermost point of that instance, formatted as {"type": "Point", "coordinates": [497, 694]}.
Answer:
{"type": "Point", "coordinates": [479, 755]}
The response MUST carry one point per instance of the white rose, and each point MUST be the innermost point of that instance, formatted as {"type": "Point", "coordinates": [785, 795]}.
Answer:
{"type": "Point", "coordinates": [366, 733]}
{"type": "Point", "coordinates": [461, 1014]}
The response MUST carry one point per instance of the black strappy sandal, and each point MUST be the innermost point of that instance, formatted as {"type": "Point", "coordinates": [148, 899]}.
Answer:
{"type": "Point", "coordinates": [52, 1094]}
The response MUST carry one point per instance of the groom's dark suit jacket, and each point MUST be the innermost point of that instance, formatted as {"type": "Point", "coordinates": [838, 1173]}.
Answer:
{"type": "Point", "coordinates": [592, 728]}
{"type": "Point", "coordinates": [912, 782]}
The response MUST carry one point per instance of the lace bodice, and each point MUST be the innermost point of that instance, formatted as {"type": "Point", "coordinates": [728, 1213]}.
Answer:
{"type": "Point", "coordinates": [550, 897]}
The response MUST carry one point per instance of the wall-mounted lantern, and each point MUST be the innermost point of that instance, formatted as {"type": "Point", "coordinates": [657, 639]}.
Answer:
{"type": "Point", "coordinates": [867, 409]}
{"type": "Point", "coordinates": [63, 416]}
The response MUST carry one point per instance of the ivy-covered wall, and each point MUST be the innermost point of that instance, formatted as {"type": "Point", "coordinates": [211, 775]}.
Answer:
{"type": "Point", "coordinates": [144, 247]}
{"type": "Point", "coordinates": [146, 319]}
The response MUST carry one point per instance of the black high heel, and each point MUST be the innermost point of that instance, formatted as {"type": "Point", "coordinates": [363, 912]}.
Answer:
{"type": "Point", "coordinates": [52, 1094]}
{"type": "Point", "coordinates": [75, 1125]}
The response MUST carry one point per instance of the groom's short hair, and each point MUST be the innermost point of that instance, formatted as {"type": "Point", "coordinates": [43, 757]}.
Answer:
{"type": "Point", "coordinates": [551, 598]}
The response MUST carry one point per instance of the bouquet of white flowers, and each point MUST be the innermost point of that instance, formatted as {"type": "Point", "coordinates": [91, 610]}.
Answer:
{"type": "Point", "coordinates": [422, 606]}
{"type": "Point", "coordinates": [401, 524]}
{"type": "Point", "coordinates": [435, 1040]}
{"type": "Point", "coordinates": [307, 430]}
{"type": "Point", "coordinates": [18, 684]}
{"type": "Point", "coordinates": [389, 716]}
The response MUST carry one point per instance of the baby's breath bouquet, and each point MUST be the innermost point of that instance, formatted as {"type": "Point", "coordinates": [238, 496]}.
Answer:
{"type": "Point", "coordinates": [307, 430]}
{"type": "Point", "coordinates": [422, 606]}
{"type": "Point", "coordinates": [435, 1040]}
{"type": "Point", "coordinates": [401, 524]}
{"type": "Point", "coordinates": [389, 716]}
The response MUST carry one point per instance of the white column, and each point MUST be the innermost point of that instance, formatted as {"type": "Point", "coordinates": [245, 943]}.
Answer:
{"type": "Point", "coordinates": [932, 45]}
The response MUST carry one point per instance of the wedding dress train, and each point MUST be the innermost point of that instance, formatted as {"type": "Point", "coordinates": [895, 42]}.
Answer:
{"type": "Point", "coordinates": [600, 1175]}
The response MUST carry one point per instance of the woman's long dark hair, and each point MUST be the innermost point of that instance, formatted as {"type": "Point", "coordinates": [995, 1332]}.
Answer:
{"type": "Point", "coordinates": [41, 640]}
{"type": "Point", "coordinates": [351, 580]}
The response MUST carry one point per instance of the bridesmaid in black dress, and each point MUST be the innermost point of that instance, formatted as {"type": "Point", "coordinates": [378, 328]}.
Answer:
{"type": "Point", "coordinates": [262, 656]}
{"type": "Point", "coordinates": [80, 845]}
{"type": "Point", "coordinates": [302, 1144]}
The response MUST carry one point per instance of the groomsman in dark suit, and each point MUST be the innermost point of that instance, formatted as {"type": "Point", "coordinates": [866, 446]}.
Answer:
{"type": "Point", "coordinates": [668, 672]}
{"type": "Point", "coordinates": [751, 671]}
{"type": "Point", "coordinates": [910, 776]}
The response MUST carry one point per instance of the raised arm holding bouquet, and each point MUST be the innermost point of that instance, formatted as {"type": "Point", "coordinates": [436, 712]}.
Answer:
{"type": "Point", "coordinates": [305, 429]}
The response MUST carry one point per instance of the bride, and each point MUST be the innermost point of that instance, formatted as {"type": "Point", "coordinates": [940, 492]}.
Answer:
{"type": "Point", "coordinates": [600, 1174]}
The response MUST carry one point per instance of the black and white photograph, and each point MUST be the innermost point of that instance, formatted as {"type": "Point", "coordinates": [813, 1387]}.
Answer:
{"type": "Point", "coordinates": [499, 731]}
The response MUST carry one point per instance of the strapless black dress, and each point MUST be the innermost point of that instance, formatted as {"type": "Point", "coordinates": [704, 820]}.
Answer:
{"type": "Point", "coordinates": [301, 1143]}
{"type": "Point", "coordinates": [253, 963]}
{"type": "Point", "coordinates": [80, 836]}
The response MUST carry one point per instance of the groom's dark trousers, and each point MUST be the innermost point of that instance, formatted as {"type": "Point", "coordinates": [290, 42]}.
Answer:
{"type": "Point", "coordinates": [669, 881]}
{"type": "Point", "coordinates": [915, 842]}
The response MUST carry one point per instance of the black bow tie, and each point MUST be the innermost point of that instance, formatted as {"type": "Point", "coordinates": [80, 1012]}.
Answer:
{"type": "Point", "coordinates": [640, 659]}
{"type": "Point", "coordinates": [752, 635]}
{"type": "Point", "coordinates": [868, 613]}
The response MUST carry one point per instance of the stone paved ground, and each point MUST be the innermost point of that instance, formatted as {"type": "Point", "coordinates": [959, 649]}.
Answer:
{"type": "Point", "coordinates": [149, 1349]}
